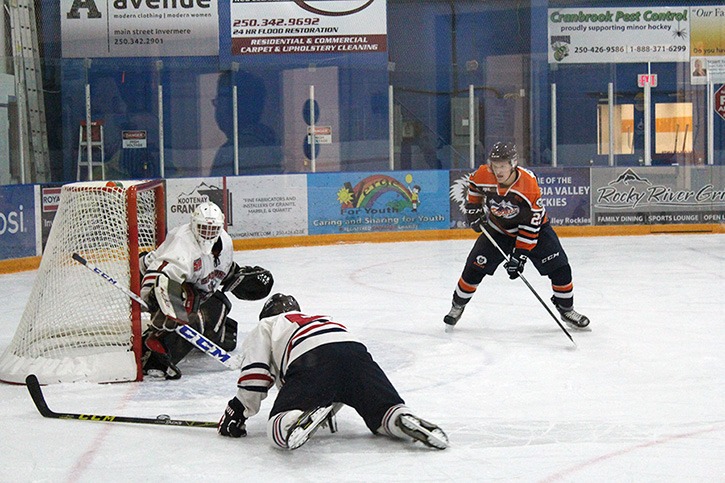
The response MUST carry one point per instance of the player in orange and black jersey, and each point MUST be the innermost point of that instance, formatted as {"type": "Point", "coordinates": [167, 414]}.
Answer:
{"type": "Point", "coordinates": [504, 200]}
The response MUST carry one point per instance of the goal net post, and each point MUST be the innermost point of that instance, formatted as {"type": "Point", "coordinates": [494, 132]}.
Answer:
{"type": "Point", "coordinates": [76, 326]}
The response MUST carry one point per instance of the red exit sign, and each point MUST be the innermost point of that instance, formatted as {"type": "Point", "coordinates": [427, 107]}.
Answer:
{"type": "Point", "coordinates": [647, 79]}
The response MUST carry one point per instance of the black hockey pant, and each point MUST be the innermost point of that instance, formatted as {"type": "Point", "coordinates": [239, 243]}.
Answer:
{"type": "Point", "coordinates": [340, 372]}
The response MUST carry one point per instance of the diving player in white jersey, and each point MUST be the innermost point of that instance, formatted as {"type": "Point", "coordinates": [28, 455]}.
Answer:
{"type": "Point", "coordinates": [318, 366]}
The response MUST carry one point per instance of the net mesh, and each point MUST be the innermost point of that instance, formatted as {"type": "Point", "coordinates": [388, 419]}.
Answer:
{"type": "Point", "coordinates": [75, 322]}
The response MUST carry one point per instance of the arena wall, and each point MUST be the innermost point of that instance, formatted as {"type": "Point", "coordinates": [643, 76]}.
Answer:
{"type": "Point", "coordinates": [363, 207]}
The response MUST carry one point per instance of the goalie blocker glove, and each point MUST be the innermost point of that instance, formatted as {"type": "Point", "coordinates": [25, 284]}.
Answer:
{"type": "Point", "coordinates": [474, 214]}
{"type": "Point", "coordinates": [248, 283]}
{"type": "Point", "coordinates": [232, 422]}
{"type": "Point", "coordinates": [515, 265]}
{"type": "Point", "coordinates": [175, 300]}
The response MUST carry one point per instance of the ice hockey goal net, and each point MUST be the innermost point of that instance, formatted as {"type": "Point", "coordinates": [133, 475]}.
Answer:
{"type": "Point", "coordinates": [76, 325]}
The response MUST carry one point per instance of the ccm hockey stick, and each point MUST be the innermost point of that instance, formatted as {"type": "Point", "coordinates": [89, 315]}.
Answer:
{"type": "Point", "coordinates": [521, 276]}
{"type": "Point", "coordinates": [162, 419]}
{"type": "Point", "coordinates": [187, 332]}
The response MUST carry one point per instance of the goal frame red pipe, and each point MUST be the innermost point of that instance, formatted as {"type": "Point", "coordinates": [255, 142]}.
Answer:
{"type": "Point", "coordinates": [135, 282]}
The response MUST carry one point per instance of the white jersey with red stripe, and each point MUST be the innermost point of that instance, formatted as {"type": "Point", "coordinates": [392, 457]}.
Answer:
{"type": "Point", "coordinates": [180, 258]}
{"type": "Point", "coordinates": [274, 344]}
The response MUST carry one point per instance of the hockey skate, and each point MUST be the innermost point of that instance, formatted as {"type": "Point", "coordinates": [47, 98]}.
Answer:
{"type": "Point", "coordinates": [159, 366]}
{"type": "Point", "coordinates": [427, 433]}
{"type": "Point", "coordinates": [156, 362]}
{"type": "Point", "coordinates": [571, 317]}
{"type": "Point", "coordinates": [453, 316]}
{"type": "Point", "coordinates": [306, 425]}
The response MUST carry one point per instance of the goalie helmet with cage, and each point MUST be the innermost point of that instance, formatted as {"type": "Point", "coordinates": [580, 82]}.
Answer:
{"type": "Point", "coordinates": [504, 152]}
{"type": "Point", "coordinates": [207, 222]}
{"type": "Point", "coordinates": [279, 304]}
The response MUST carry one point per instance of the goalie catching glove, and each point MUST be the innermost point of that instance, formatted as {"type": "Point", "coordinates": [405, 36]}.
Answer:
{"type": "Point", "coordinates": [248, 283]}
{"type": "Point", "coordinates": [232, 422]}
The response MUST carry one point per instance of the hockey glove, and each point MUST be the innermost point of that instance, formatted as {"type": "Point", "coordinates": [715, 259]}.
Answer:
{"type": "Point", "coordinates": [248, 283]}
{"type": "Point", "coordinates": [232, 422]}
{"type": "Point", "coordinates": [515, 264]}
{"type": "Point", "coordinates": [474, 214]}
{"type": "Point", "coordinates": [175, 300]}
{"type": "Point", "coordinates": [162, 323]}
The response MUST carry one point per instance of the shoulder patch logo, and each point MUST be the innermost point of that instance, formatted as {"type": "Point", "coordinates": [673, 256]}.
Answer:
{"type": "Point", "coordinates": [197, 264]}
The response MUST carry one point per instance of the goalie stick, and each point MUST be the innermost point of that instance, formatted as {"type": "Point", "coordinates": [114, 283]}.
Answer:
{"type": "Point", "coordinates": [187, 332]}
{"type": "Point", "coordinates": [37, 394]}
{"type": "Point", "coordinates": [521, 276]}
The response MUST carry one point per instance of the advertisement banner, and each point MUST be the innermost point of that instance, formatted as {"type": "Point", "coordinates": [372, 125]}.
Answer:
{"type": "Point", "coordinates": [308, 27]}
{"type": "Point", "coordinates": [457, 192]}
{"type": "Point", "coordinates": [617, 35]}
{"type": "Point", "coordinates": [268, 206]}
{"type": "Point", "coordinates": [658, 195]}
{"type": "Point", "coordinates": [135, 28]}
{"type": "Point", "coordinates": [565, 193]}
{"type": "Point", "coordinates": [707, 44]}
{"type": "Point", "coordinates": [49, 203]}
{"type": "Point", "coordinates": [17, 221]}
{"type": "Point", "coordinates": [368, 202]}
{"type": "Point", "coordinates": [184, 194]}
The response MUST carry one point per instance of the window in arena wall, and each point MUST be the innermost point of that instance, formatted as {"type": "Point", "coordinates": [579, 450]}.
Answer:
{"type": "Point", "coordinates": [673, 127]}
{"type": "Point", "coordinates": [623, 129]}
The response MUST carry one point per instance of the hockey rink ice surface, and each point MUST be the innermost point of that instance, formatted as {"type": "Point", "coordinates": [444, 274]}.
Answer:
{"type": "Point", "coordinates": [641, 397]}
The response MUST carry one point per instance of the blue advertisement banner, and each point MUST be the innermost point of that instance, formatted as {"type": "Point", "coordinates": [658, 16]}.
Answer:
{"type": "Point", "coordinates": [17, 221]}
{"type": "Point", "coordinates": [457, 192]}
{"type": "Point", "coordinates": [566, 195]}
{"type": "Point", "coordinates": [368, 202]}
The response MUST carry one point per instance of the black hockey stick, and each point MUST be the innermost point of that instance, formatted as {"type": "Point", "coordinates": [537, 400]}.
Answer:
{"type": "Point", "coordinates": [521, 276]}
{"type": "Point", "coordinates": [192, 336]}
{"type": "Point", "coordinates": [37, 394]}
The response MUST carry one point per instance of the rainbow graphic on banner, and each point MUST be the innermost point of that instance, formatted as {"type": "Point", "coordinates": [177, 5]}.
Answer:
{"type": "Point", "coordinates": [368, 190]}
{"type": "Point", "coordinates": [373, 201]}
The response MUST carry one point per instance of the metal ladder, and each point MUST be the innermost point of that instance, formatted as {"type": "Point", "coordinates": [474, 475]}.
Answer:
{"type": "Point", "coordinates": [96, 139]}
{"type": "Point", "coordinates": [34, 155]}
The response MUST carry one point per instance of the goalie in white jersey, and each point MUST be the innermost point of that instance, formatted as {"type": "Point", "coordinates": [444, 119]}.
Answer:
{"type": "Point", "coordinates": [318, 366]}
{"type": "Point", "coordinates": [185, 280]}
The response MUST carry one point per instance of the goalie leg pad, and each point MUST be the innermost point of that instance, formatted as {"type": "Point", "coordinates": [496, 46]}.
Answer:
{"type": "Point", "coordinates": [228, 340]}
{"type": "Point", "coordinates": [219, 328]}
{"type": "Point", "coordinates": [177, 346]}
{"type": "Point", "coordinates": [155, 359]}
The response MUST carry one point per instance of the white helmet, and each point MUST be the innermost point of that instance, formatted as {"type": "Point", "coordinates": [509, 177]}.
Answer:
{"type": "Point", "coordinates": [206, 224]}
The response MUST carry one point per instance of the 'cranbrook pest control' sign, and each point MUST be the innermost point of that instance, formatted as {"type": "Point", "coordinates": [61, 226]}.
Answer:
{"type": "Point", "coordinates": [616, 35]}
